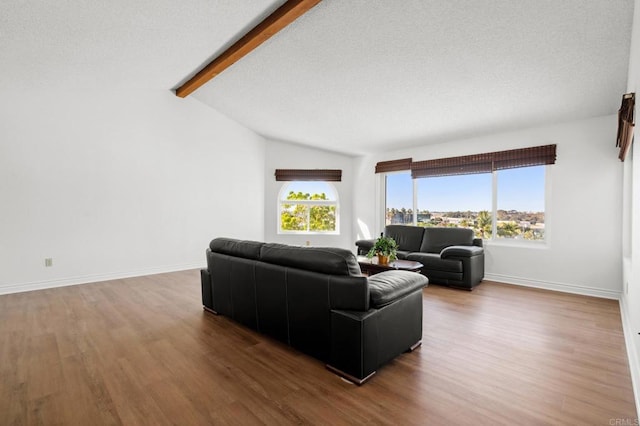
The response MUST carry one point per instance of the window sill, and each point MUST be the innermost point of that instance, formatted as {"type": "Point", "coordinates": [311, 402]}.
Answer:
{"type": "Point", "coordinates": [307, 233]}
{"type": "Point", "coordinates": [535, 245]}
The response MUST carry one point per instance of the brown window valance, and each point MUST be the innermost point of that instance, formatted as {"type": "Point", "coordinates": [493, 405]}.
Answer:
{"type": "Point", "coordinates": [485, 163]}
{"type": "Point", "coordinates": [308, 175]}
{"type": "Point", "coordinates": [393, 165]}
{"type": "Point", "coordinates": [625, 124]}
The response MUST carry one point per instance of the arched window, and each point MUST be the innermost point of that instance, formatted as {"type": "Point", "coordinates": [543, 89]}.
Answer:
{"type": "Point", "coordinates": [308, 208]}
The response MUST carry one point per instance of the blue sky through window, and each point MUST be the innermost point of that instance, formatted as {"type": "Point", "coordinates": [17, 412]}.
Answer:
{"type": "Point", "coordinates": [455, 193]}
{"type": "Point", "coordinates": [519, 189]}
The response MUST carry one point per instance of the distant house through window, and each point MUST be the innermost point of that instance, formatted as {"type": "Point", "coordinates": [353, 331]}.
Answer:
{"type": "Point", "coordinates": [308, 207]}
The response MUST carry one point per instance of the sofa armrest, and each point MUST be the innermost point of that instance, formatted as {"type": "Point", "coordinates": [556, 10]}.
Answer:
{"type": "Point", "coordinates": [363, 341]}
{"type": "Point", "coordinates": [478, 242]}
{"type": "Point", "coordinates": [350, 293]}
{"type": "Point", "coordinates": [461, 251]}
{"type": "Point", "coordinates": [364, 246]}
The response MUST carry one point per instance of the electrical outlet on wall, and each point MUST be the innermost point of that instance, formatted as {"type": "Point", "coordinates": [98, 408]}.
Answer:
{"type": "Point", "coordinates": [48, 262]}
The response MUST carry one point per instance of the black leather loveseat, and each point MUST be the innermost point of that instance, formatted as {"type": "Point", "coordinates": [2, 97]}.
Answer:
{"type": "Point", "coordinates": [316, 300]}
{"type": "Point", "coordinates": [451, 256]}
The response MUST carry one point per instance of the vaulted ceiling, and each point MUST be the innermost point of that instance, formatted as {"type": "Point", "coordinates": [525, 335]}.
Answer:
{"type": "Point", "coordinates": [353, 76]}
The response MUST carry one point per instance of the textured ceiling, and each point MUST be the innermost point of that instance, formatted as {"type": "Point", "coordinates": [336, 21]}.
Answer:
{"type": "Point", "coordinates": [353, 76]}
{"type": "Point", "coordinates": [119, 44]}
{"type": "Point", "coordinates": [359, 76]}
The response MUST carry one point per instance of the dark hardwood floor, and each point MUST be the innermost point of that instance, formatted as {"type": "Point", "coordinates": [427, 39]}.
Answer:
{"type": "Point", "coordinates": [142, 351]}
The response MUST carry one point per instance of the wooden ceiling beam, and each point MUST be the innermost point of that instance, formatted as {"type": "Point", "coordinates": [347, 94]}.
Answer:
{"type": "Point", "coordinates": [283, 16]}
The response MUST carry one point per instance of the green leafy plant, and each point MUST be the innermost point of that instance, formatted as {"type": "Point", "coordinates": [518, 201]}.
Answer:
{"type": "Point", "coordinates": [385, 246]}
{"type": "Point", "coordinates": [301, 217]}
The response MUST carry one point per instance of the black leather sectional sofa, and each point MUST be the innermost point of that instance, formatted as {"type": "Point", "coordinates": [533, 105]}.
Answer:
{"type": "Point", "coordinates": [316, 300]}
{"type": "Point", "coordinates": [451, 256]}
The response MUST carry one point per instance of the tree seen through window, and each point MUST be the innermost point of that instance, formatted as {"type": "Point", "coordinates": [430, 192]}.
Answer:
{"type": "Point", "coordinates": [308, 207]}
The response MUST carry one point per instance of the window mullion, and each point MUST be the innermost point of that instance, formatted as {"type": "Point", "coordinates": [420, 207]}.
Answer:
{"type": "Point", "coordinates": [494, 204]}
{"type": "Point", "coordinates": [415, 201]}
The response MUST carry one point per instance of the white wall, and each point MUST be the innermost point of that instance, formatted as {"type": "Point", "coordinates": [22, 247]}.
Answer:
{"type": "Point", "coordinates": [630, 300]}
{"type": "Point", "coordinates": [281, 155]}
{"type": "Point", "coordinates": [583, 250]}
{"type": "Point", "coordinates": [113, 184]}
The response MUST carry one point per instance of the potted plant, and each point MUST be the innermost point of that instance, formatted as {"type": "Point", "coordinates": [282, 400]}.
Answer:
{"type": "Point", "coordinates": [385, 248]}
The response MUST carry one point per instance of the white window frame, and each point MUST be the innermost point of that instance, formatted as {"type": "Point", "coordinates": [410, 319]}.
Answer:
{"type": "Point", "coordinates": [494, 240]}
{"type": "Point", "coordinates": [309, 203]}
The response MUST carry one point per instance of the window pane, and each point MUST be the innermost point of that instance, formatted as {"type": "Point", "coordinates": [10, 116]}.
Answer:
{"type": "Point", "coordinates": [456, 201]}
{"type": "Point", "coordinates": [399, 199]}
{"type": "Point", "coordinates": [322, 218]}
{"type": "Point", "coordinates": [520, 213]}
{"type": "Point", "coordinates": [293, 217]}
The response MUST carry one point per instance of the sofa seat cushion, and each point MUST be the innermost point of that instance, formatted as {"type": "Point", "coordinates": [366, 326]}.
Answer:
{"type": "Point", "coordinates": [387, 287]}
{"type": "Point", "coordinates": [435, 262]}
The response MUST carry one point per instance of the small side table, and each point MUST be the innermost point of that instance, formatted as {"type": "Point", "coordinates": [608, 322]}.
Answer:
{"type": "Point", "coordinates": [371, 266]}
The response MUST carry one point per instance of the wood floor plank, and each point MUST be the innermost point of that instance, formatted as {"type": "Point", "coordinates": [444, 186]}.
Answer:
{"type": "Point", "coordinates": [142, 351]}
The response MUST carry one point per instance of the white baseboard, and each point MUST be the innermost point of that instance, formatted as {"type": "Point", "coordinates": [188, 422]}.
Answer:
{"type": "Point", "coordinates": [632, 350]}
{"type": "Point", "coordinates": [86, 279]}
{"type": "Point", "coordinates": [549, 285]}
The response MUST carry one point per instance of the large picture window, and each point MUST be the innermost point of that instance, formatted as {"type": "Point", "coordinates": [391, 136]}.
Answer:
{"type": "Point", "coordinates": [466, 201]}
{"type": "Point", "coordinates": [500, 195]}
{"type": "Point", "coordinates": [308, 207]}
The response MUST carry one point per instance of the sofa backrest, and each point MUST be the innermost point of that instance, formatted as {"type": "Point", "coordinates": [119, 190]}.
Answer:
{"type": "Point", "coordinates": [409, 238]}
{"type": "Point", "coordinates": [237, 248]}
{"type": "Point", "coordinates": [325, 260]}
{"type": "Point", "coordinates": [435, 239]}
